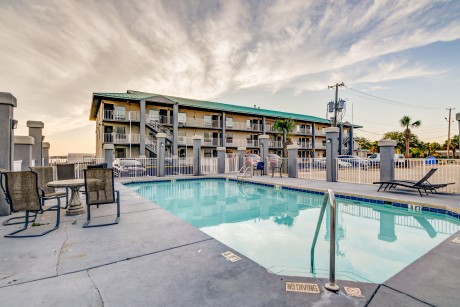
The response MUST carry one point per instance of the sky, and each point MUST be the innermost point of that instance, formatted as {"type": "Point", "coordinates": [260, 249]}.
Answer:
{"type": "Point", "coordinates": [396, 58]}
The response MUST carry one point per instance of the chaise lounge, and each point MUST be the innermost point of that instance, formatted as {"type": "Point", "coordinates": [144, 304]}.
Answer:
{"type": "Point", "coordinates": [421, 185]}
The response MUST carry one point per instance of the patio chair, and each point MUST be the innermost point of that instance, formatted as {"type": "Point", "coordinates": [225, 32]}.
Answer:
{"type": "Point", "coordinates": [421, 185]}
{"type": "Point", "coordinates": [45, 175]}
{"type": "Point", "coordinates": [99, 186]}
{"type": "Point", "coordinates": [260, 167]}
{"type": "Point", "coordinates": [22, 194]}
{"type": "Point", "coordinates": [276, 166]}
{"type": "Point", "coordinates": [65, 171]}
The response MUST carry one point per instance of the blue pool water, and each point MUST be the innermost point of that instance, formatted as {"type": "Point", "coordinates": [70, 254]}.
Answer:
{"type": "Point", "coordinates": [275, 227]}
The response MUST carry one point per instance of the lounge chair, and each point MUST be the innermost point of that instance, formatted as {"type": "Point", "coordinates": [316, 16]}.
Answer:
{"type": "Point", "coordinates": [22, 194]}
{"type": "Point", "coordinates": [277, 166]}
{"type": "Point", "coordinates": [421, 185]}
{"type": "Point", "coordinates": [45, 175]}
{"type": "Point", "coordinates": [99, 187]}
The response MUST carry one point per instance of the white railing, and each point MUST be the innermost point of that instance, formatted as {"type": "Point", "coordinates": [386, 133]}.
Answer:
{"type": "Point", "coordinates": [122, 138]}
{"type": "Point", "coordinates": [231, 164]}
{"type": "Point", "coordinates": [275, 144]}
{"type": "Point", "coordinates": [121, 115]}
{"type": "Point", "coordinates": [79, 165]}
{"type": "Point", "coordinates": [211, 142]}
{"type": "Point", "coordinates": [311, 168]}
{"type": "Point", "coordinates": [302, 131]}
{"type": "Point", "coordinates": [244, 126]}
{"type": "Point", "coordinates": [357, 170]}
{"type": "Point", "coordinates": [179, 166]}
{"type": "Point", "coordinates": [201, 122]}
{"type": "Point", "coordinates": [252, 143]}
{"type": "Point", "coordinates": [269, 128]}
{"type": "Point", "coordinates": [209, 166]}
{"type": "Point", "coordinates": [319, 132]}
{"type": "Point", "coordinates": [17, 164]}
{"type": "Point", "coordinates": [304, 145]}
{"type": "Point", "coordinates": [414, 169]}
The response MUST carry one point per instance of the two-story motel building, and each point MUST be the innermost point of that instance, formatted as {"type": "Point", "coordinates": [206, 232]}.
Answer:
{"type": "Point", "coordinates": [131, 120]}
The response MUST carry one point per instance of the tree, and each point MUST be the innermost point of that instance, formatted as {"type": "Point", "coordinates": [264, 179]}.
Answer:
{"type": "Point", "coordinates": [453, 145]}
{"type": "Point", "coordinates": [407, 123]}
{"type": "Point", "coordinates": [284, 126]}
{"type": "Point", "coordinates": [398, 137]}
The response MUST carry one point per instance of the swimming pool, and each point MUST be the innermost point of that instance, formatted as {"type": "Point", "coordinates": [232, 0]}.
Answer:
{"type": "Point", "coordinates": [275, 227]}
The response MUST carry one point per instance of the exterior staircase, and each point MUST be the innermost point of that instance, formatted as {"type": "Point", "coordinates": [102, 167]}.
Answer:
{"type": "Point", "coordinates": [156, 127]}
{"type": "Point", "coordinates": [151, 145]}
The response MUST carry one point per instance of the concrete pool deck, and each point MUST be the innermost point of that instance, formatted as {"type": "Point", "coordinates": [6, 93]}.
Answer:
{"type": "Point", "coordinates": [154, 258]}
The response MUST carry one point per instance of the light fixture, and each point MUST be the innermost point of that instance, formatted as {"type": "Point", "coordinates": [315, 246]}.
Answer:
{"type": "Point", "coordinates": [14, 124]}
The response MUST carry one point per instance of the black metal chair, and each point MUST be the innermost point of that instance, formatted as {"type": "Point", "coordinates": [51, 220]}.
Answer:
{"type": "Point", "coordinates": [22, 194]}
{"type": "Point", "coordinates": [45, 175]}
{"type": "Point", "coordinates": [260, 167]}
{"type": "Point", "coordinates": [277, 166]}
{"type": "Point", "coordinates": [99, 186]}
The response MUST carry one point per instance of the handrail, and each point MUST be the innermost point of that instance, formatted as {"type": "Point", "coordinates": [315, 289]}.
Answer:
{"type": "Point", "coordinates": [329, 195]}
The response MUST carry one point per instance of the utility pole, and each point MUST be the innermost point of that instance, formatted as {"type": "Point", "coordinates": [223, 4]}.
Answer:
{"type": "Point", "coordinates": [448, 132]}
{"type": "Point", "coordinates": [336, 104]}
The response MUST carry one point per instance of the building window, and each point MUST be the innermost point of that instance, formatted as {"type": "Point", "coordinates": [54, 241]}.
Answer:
{"type": "Point", "coordinates": [154, 115]}
{"type": "Point", "coordinates": [119, 113]}
{"type": "Point", "coordinates": [208, 120]}
{"type": "Point", "coordinates": [229, 122]}
{"type": "Point", "coordinates": [182, 118]}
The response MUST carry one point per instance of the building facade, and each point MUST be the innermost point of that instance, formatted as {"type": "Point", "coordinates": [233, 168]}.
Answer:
{"type": "Point", "coordinates": [130, 121]}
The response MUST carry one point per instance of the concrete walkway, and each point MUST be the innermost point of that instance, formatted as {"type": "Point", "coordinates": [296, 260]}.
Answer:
{"type": "Point", "coordinates": [154, 258]}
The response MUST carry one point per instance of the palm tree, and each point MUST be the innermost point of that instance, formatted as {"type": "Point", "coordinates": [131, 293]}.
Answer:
{"type": "Point", "coordinates": [284, 126]}
{"type": "Point", "coordinates": [406, 122]}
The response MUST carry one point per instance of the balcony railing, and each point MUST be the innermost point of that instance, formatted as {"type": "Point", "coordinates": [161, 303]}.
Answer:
{"type": "Point", "coordinates": [121, 138]}
{"type": "Point", "coordinates": [121, 115]}
{"type": "Point", "coordinates": [244, 126]}
{"type": "Point", "coordinates": [320, 146]}
{"type": "Point", "coordinates": [319, 132]}
{"type": "Point", "coordinates": [201, 122]}
{"type": "Point", "coordinates": [302, 131]}
{"type": "Point", "coordinates": [304, 145]}
{"type": "Point", "coordinates": [162, 119]}
{"type": "Point", "coordinates": [275, 144]}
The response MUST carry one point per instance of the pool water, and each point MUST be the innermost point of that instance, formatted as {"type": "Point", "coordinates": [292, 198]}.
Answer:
{"type": "Point", "coordinates": [275, 227]}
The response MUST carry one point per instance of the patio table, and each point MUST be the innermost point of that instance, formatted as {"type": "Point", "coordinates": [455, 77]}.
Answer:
{"type": "Point", "coordinates": [74, 185]}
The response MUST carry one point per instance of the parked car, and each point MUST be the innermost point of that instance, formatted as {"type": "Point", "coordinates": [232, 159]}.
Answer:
{"type": "Point", "coordinates": [431, 160]}
{"type": "Point", "coordinates": [251, 159]}
{"type": "Point", "coordinates": [128, 168]}
{"type": "Point", "coordinates": [321, 163]}
{"type": "Point", "coordinates": [355, 161]}
{"type": "Point", "coordinates": [374, 160]}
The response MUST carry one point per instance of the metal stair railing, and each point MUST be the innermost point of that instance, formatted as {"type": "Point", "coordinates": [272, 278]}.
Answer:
{"type": "Point", "coordinates": [329, 195]}
{"type": "Point", "coordinates": [158, 128]}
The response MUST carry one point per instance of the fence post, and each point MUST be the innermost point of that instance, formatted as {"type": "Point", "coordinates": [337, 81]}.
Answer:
{"type": "Point", "coordinates": [221, 160]}
{"type": "Point", "coordinates": [263, 139]}
{"type": "Point", "coordinates": [161, 156]}
{"type": "Point", "coordinates": [332, 146]}
{"type": "Point", "coordinates": [35, 131]}
{"type": "Point", "coordinates": [241, 152]}
{"type": "Point", "coordinates": [387, 166]}
{"type": "Point", "coordinates": [46, 153]}
{"type": "Point", "coordinates": [293, 152]}
{"type": "Point", "coordinates": [23, 150]}
{"type": "Point", "coordinates": [197, 139]}
{"type": "Point", "coordinates": [108, 154]}
{"type": "Point", "coordinates": [457, 117]}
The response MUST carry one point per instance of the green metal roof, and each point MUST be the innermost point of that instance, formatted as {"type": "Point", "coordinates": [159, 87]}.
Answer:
{"type": "Point", "coordinates": [210, 105]}
{"type": "Point", "coordinates": [203, 104]}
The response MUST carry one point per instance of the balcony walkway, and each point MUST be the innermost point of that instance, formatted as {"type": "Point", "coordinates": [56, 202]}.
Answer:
{"type": "Point", "coordinates": [154, 258]}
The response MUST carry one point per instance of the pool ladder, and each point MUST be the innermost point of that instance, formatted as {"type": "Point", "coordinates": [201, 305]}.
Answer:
{"type": "Point", "coordinates": [245, 171]}
{"type": "Point", "coordinates": [328, 196]}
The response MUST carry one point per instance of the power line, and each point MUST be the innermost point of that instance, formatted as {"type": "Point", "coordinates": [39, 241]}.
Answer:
{"type": "Point", "coordinates": [389, 101]}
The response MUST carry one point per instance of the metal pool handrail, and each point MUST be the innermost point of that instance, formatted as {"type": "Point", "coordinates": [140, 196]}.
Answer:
{"type": "Point", "coordinates": [329, 195]}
